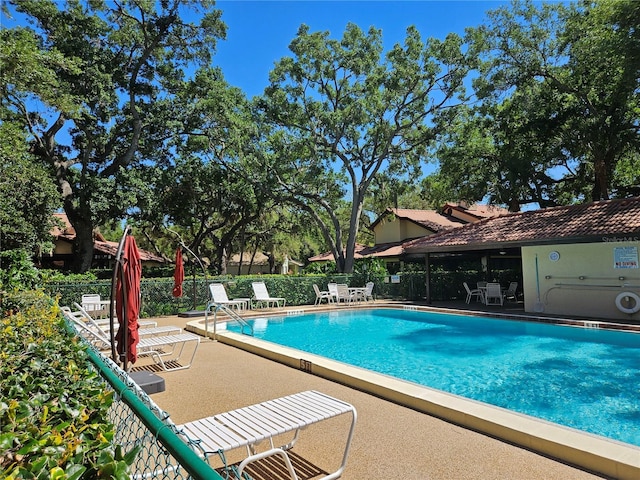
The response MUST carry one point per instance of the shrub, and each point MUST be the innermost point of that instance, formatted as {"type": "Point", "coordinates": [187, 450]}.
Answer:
{"type": "Point", "coordinates": [54, 406]}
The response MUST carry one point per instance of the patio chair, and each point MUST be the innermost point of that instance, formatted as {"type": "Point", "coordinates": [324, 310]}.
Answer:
{"type": "Point", "coordinates": [494, 294]}
{"type": "Point", "coordinates": [368, 292]}
{"type": "Point", "coordinates": [333, 291]}
{"type": "Point", "coordinates": [261, 296]}
{"type": "Point", "coordinates": [97, 307]}
{"type": "Point", "coordinates": [322, 295]}
{"type": "Point", "coordinates": [219, 297]}
{"type": "Point", "coordinates": [510, 293]}
{"type": "Point", "coordinates": [165, 350]}
{"type": "Point", "coordinates": [476, 292]}
{"type": "Point", "coordinates": [248, 426]}
{"type": "Point", "coordinates": [344, 295]}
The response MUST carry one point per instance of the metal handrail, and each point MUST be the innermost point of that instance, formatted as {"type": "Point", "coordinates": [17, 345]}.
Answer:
{"type": "Point", "coordinates": [230, 313]}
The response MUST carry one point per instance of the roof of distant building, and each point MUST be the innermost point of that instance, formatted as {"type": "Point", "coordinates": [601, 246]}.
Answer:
{"type": "Point", "coordinates": [607, 220]}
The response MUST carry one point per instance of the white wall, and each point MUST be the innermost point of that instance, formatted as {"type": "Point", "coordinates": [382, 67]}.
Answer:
{"type": "Point", "coordinates": [583, 281]}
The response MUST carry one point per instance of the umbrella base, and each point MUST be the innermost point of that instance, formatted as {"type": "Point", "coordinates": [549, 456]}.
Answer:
{"type": "Point", "coordinates": [149, 382]}
{"type": "Point", "coordinates": [192, 313]}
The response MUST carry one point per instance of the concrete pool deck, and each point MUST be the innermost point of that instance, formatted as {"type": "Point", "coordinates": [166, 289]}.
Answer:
{"type": "Point", "coordinates": [394, 438]}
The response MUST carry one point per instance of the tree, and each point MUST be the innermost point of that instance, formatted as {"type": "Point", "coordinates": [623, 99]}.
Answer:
{"type": "Point", "coordinates": [570, 74]}
{"type": "Point", "coordinates": [29, 197]}
{"type": "Point", "coordinates": [108, 107]}
{"type": "Point", "coordinates": [343, 114]}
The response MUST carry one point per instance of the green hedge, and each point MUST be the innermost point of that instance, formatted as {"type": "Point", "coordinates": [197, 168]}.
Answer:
{"type": "Point", "coordinates": [53, 408]}
{"type": "Point", "coordinates": [157, 296]}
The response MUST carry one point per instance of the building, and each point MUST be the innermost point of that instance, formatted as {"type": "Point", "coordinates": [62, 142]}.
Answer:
{"type": "Point", "coordinates": [259, 264]}
{"type": "Point", "coordinates": [397, 226]}
{"type": "Point", "coordinates": [104, 251]}
{"type": "Point", "coordinates": [578, 260]}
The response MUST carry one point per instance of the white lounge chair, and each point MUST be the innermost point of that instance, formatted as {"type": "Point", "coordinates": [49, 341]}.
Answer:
{"type": "Point", "coordinates": [493, 295]}
{"type": "Point", "coordinates": [248, 426]}
{"type": "Point", "coordinates": [162, 348]}
{"type": "Point", "coordinates": [476, 292]}
{"type": "Point", "coordinates": [261, 296]}
{"type": "Point", "coordinates": [219, 297]}
{"type": "Point", "coordinates": [149, 327]}
{"type": "Point", "coordinates": [322, 295]}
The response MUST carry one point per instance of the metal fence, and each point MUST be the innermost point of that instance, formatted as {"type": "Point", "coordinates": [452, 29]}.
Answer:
{"type": "Point", "coordinates": [157, 298]}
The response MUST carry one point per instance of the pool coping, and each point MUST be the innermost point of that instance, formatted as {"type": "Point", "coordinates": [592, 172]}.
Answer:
{"type": "Point", "coordinates": [590, 452]}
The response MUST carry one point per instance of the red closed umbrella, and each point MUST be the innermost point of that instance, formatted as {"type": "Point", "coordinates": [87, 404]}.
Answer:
{"type": "Point", "coordinates": [128, 300]}
{"type": "Point", "coordinates": [178, 274]}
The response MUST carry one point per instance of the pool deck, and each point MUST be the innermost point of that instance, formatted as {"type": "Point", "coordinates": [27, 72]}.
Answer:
{"type": "Point", "coordinates": [393, 439]}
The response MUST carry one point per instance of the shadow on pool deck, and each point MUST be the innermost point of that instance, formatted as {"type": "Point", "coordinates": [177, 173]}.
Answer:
{"type": "Point", "coordinates": [391, 441]}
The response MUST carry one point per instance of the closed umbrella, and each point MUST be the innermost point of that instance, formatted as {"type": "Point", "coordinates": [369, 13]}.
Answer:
{"type": "Point", "coordinates": [178, 274]}
{"type": "Point", "coordinates": [128, 301]}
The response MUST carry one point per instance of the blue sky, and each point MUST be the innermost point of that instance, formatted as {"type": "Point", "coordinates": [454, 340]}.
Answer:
{"type": "Point", "coordinates": [259, 32]}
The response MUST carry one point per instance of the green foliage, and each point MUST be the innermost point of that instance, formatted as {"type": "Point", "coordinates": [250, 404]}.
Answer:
{"type": "Point", "coordinates": [18, 271]}
{"type": "Point", "coordinates": [558, 111]}
{"type": "Point", "coordinates": [53, 410]}
{"type": "Point", "coordinates": [104, 81]}
{"type": "Point", "coordinates": [344, 112]}
{"type": "Point", "coordinates": [29, 197]}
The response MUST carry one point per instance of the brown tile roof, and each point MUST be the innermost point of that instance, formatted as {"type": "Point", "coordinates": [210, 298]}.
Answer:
{"type": "Point", "coordinates": [111, 248]}
{"type": "Point", "coordinates": [611, 219]}
{"type": "Point", "coordinates": [328, 256]}
{"type": "Point", "coordinates": [477, 210]}
{"type": "Point", "coordinates": [429, 219]}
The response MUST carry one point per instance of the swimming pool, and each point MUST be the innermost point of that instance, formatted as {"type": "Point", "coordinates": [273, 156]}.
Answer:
{"type": "Point", "coordinates": [582, 378]}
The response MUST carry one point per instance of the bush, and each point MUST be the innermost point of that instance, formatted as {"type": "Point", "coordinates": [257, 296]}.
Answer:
{"type": "Point", "coordinates": [54, 406]}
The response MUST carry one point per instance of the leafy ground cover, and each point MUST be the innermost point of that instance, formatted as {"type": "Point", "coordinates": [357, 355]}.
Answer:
{"type": "Point", "coordinates": [53, 404]}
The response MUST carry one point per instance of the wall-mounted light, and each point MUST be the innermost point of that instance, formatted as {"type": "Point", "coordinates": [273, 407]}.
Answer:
{"type": "Point", "coordinates": [582, 277]}
{"type": "Point", "coordinates": [502, 252]}
{"type": "Point", "coordinates": [548, 277]}
{"type": "Point", "coordinates": [621, 278]}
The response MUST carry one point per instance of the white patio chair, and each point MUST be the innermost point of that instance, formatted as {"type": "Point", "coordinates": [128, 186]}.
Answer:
{"type": "Point", "coordinates": [261, 296]}
{"type": "Point", "coordinates": [510, 293]}
{"type": "Point", "coordinates": [322, 295]}
{"type": "Point", "coordinates": [476, 292]}
{"type": "Point", "coordinates": [494, 295]}
{"type": "Point", "coordinates": [248, 426]}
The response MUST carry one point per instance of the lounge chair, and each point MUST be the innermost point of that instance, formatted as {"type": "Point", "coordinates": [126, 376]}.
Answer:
{"type": "Point", "coordinates": [476, 292]}
{"type": "Point", "coordinates": [219, 297]}
{"type": "Point", "coordinates": [165, 350]}
{"type": "Point", "coordinates": [322, 295]}
{"type": "Point", "coordinates": [149, 327]}
{"type": "Point", "coordinates": [493, 295]}
{"type": "Point", "coordinates": [261, 296]}
{"type": "Point", "coordinates": [248, 426]}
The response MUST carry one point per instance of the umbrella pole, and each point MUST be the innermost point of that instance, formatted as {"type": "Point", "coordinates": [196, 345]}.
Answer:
{"type": "Point", "coordinates": [204, 271]}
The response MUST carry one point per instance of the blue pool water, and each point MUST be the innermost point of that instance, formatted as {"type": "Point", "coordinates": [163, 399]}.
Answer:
{"type": "Point", "coordinates": [588, 379]}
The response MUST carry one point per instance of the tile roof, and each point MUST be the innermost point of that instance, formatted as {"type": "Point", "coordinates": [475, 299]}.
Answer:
{"type": "Point", "coordinates": [328, 256]}
{"type": "Point", "coordinates": [596, 221]}
{"type": "Point", "coordinates": [477, 210]}
{"type": "Point", "coordinates": [111, 248]}
{"type": "Point", "coordinates": [429, 219]}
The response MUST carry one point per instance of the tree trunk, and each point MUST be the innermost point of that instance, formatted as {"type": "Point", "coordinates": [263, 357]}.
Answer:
{"type": "Point", "coordinates": [83, 243]}
{"type": "Point", "coordinates": [600, 189]}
